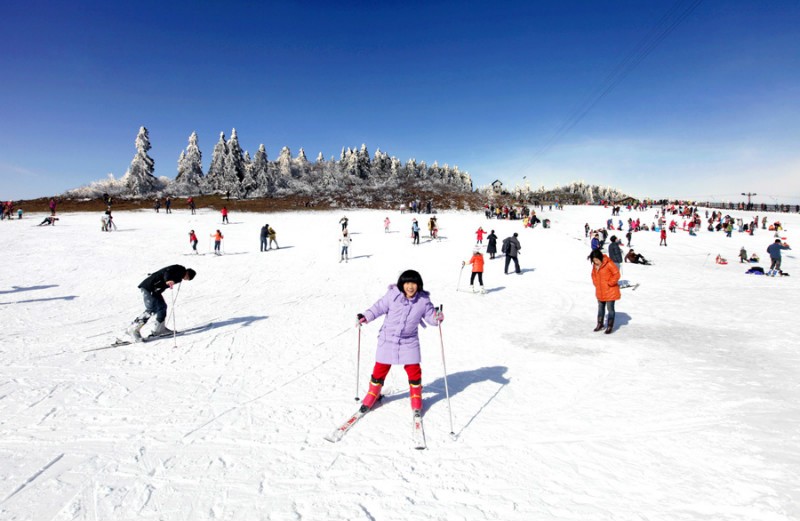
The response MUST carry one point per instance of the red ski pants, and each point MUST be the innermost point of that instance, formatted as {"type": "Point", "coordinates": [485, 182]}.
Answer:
{"type": "Point", "coordinates": [414, 372]}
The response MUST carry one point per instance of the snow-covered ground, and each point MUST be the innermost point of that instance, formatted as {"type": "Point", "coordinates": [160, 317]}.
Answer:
{"type": "Point", "coordinates": [690, 410]}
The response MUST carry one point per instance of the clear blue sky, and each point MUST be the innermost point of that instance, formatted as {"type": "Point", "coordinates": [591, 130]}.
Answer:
{"type": "Point", "coordinates": [707, 105]}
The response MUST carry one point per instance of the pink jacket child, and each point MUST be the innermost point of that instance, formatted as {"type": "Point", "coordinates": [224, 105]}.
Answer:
{"type": "Point", "coordinates": [405, 305]}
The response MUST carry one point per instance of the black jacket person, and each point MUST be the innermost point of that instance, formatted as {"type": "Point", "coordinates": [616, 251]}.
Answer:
{"type": "Point", "coordinates": [152, 289]}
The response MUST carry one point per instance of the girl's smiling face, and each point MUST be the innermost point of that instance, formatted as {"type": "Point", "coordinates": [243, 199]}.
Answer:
{"type": "Point", "coordinates": [410, 289]}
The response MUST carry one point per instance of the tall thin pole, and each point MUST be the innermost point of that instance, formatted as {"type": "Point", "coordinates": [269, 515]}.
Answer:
{"type": "Point", "coordinates": [358, 360]}
{"type": "Point", "coordinates": [446, 388]}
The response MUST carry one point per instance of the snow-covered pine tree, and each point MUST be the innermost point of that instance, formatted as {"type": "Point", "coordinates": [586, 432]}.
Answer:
{"type": "Point", "coordinates": [396, 169]}
{"type": "Point", "coordinates": [332, 174]}
{"type": "Point", "coordinates": [435, 172]}
{"type": "Point", "coordinates": [216, 170]}
{"type": "Point", "coordinates": [363, 162]}
{"type": "Point", "coordinates": [264, 184]}
{"type": "Point", "coordinates": [350, 163]}
{"type": "Point", "coordinates": [283, 172]}
{"type": "Point", "coordinates": [380, 167]}
{"type": "Point", "coordinates": [300, 166]}
{"type": "Point", "coordinates": [466, 182]}
{"type": "Point", "coordinates": [248, 181]}
{"type": "Point", "coordinates": [233, 167]}
{"type": "Point", "coordinates": [139, 178]}
{"type": "Point", "coordinates": [190, 164]}
{"type": "Point", "coordinates": [411, 169]}
{"type": "Point", "coordinates": [424, 174]}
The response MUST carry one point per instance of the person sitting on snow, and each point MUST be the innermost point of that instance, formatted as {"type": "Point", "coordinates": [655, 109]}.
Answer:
{"type": "Point", "coordinates": [636, 258]}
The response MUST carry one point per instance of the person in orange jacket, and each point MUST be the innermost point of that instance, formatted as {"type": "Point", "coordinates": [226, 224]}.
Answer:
{"type": "Point", "coordinates": [217, 241]}
{"type": "Point", "coordinates": [477, 269]}
{"type": "Point", "coordinates": [605, 277]}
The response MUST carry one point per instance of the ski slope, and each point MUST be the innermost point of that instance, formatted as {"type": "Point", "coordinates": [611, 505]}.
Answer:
{"type": "Point", "coordinates": [690, 410]}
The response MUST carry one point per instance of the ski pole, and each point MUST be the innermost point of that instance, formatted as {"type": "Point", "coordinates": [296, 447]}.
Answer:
{"type": "Point", "coordinates": [446, 389]}
{"type": "Point", "coordinates": [458, 284]}
{"type": "Point", "coordinates": [358, 360]}
{"type": "Point", "coordinates": [172, 314]}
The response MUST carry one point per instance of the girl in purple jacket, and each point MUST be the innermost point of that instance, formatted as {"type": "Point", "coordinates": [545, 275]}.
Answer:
{"type": "Point", "coordinates": [405, 306]}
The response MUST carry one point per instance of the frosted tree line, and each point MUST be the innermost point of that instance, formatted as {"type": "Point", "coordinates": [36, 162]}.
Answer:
{"type": "Point", "coordinates": [572, 193]}
{"type": "Point", "coordinates": [233, 172]}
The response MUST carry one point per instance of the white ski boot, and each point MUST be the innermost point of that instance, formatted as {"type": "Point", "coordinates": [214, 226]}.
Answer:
{"type": "Point", "coordinates": [162, 330]}
{"type": "Point", "coordinates": [134, 330]}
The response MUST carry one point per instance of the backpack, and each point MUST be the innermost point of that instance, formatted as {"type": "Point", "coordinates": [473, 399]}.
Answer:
{"type": "Point", "coordinates": [505, 246]}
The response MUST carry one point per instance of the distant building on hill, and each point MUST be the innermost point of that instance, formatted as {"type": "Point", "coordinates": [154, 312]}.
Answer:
{"type": "Point", "coordinates": [625, 201]}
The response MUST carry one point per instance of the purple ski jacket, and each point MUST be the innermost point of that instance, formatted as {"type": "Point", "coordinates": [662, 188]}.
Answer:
{"type": "Point", "coordinates": [398, 339]}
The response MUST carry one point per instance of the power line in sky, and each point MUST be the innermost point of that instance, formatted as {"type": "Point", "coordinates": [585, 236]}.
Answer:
{"type": "Point", "coordinates": [674, 16]}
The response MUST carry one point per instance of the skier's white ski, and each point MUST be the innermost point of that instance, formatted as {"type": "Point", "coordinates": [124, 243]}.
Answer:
{"type": "Point", "coordinates": [340, 431]}
{"type": "Point", "coordinates": [119, 342]}
{"type": "Point", "coordinates": [417, 431]}
{"type": "Point", "coordinates": [350, 422]}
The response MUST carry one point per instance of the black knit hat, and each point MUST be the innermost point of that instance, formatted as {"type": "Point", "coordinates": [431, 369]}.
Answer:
{"type": "Point", "coordinates": [410, 276]}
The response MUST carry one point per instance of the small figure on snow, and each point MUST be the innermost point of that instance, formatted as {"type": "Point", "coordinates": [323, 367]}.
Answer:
{"type": "Point", "coordinates": [272, 238]}
{"type": "Point", "coordinates": [636, 258]}
{"type": "Point", "coordinates": [432, 228]}
{"type": "Point", "coordinates": [743, 256]}
{"type": "Point", "coordinates": [264, 234]}
{"type": "Point", "coordinates": [479, 233]}
{"type": "Point", "coordinates": [224, 213]}
{"type": "Point", "coordinates": [49, 221]}
{"type": "Point", "coordinates": [477, 270]}
{"type": "Point", "coordinates": [774, 251]}
{"type": "Point", "coordinates": [511, 249]}
{"type": "Point", "coordinates": [153, 288]}
{"type": "Point", "coordinates": [491, 246]}
{"type": "Point", "coordinates": [614, 251]}
{"type": "Point", "coordinates": [414, 232]}
{"type": "Point", "coordinates": [345, 241]}
{"type": "Point", "coordinates": [405, 305]}
{"type": "Point", "coordinates": [343, 222]}
{"type": "Point", "coordinates": [596, 243]}
{"type": "Point", "coordinates": [386, 224]}
{"type": "Point", "coordinates": [193, 240]}
{"type": "Point", "coordinates": [217, 241]}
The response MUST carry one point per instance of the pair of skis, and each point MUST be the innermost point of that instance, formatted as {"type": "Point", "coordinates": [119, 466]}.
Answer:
{"type": "Point", "coordinates": [119, 342]}
{"type": "Point", "coordinates": [417, 430]}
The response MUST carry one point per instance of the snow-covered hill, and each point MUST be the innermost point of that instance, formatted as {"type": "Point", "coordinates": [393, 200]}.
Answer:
{"type": "Point", "coordinates": [687, 411]}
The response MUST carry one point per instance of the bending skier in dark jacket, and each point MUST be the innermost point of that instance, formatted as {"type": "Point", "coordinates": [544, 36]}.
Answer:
{"type": "Point", "coordinates": [153, 288]}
